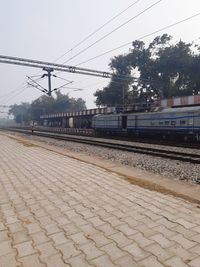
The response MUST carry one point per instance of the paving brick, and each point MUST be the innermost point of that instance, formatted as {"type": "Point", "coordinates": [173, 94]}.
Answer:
{"type": "Point", "coordinates": [25, 249]}
{"type": "Point", "coordinates": [33, 228]}
{"type": "Point", "coordinates": [6, 248]}
{"type": "Point", "coordinates": [120, 239]}
{"type": "Point", "coordinates": [175, 262]}
{"type": "Point", "coordinates": [71, 229]}
{"type": "Point", "coordinates": [9, 260]}
{"type": "Point", "coordinates": [130, 221]}
{"type": "Point", "coordinates": [184, 254]}
{"type": "Point", "coordinates": [165, 231]}
{"type": "Point", "coordinates": [31, 261]}
{"type": "Point", "coordinates": [91, 251]}
{"type": "Point", "coordinates": [195, 249]}
{"type": "Point", "coordinates": [96, 221]}
{"type": "Point", "coordinates": [79, 220]}
{"type": "Point", "coordinates": [185, 243]}
{"type": "Point", "coordinates": [195, 238]}
{"type": "Point", "coordinates": [103, 261]}
{"type": "Point", "coordinates": [15, 227]}
{"type": "Point", "coordinates": [80, 238]}
{"type": "Point", "coordinates": [107, 229]}
{"type": "Point", "coordinates": [184, 223]}
{"type": "Point", "coordinates": [62, 220]}
{"type": "Point", "coordinates": [126, 229]}
{"type": "Point", "coordinates": [141, 240]}
{"type": "Point", "coordinates": [195, 262]}
{"type": "Point", "coordinates": [51, 229]}
{"type": "Point", "coordinates": [159, 252]}
{"type": "Point", "coordinates": [89, 230]}
{"type": "Point", "coordinates": [127, 261]}
{"type": "Point", "coordinates": [196, 229]}
{"type": "Point", "coordinates": [46, 250]}
{"type": "Point", "coordinates": [137, 253]}
{"type": "Point", "coordinates": [78, 261]}
{"type": "Point", "coordinates": [59, 238]}
{"type": "Point", "coordinates": [151, 261]}
{"type": "Point", "coordinates": [161, 240]}
{"type": "Point", "coordinates": [4, 236]}
{"type": "Point", "coordinates": [39, 238]}
{"type": "Point", "coordinates": [55, 261]}
{"type": "Point", "coordinates": [20, 236]}
{"type": "Point", "coordinates": [99, 239]}
{"type": "Point", "coordinates": [68, 250]}
{"type": "Point", "coordinates": [2, 226]}
{"type": "Point", "coordinates": [145, 230]}
{"type": "Point", "coordinates": [113, 251]}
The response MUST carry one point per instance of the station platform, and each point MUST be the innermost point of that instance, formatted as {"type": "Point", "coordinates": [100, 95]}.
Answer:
{"type": "Point", "coordinates": [58, 211]}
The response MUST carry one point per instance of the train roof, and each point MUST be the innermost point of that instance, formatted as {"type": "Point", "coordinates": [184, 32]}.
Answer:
{"type": "Point", "coordinates": [166, 110]}
{"type": "Point", "coordinates": [181, 109]}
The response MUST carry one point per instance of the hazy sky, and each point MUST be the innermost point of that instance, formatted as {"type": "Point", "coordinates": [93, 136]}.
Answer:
{"type": "Point", "coordinates": [46, 29]}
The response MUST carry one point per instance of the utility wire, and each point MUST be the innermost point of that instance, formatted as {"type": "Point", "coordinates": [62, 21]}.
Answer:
{"type": "Point", "coordinates": [97, 30]}
{"type": "Point", "coordinates": [140, 38]}
{"type": "Point", "coordinates": [117, 28]}
{"type": "Point", "coordinates": [13, 96]}
{"type": "Point", "coordinates": [4, 97]}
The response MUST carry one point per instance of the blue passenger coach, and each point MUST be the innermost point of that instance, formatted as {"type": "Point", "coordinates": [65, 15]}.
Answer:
{"type": "Point", "coordinates": [174, 122]}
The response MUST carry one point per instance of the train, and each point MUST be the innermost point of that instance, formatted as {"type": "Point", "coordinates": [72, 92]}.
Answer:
{"type": "Point", "coordinates": [180, 122]}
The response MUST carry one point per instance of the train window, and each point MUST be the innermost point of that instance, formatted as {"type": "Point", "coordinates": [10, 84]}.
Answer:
{"type": "Point", "coordinates": [173, 123]}
{"type": "Point", "coordinates": [166, 122]}
{"type": "Point", "coordinates": [182, 122]}
{"type": "Point", "coordinates": [161, 122]}
{"type": "Point", "coordinates": [191, 121]}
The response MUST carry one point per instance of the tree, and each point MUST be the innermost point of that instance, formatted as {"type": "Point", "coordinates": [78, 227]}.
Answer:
{"type": "Point", "coordinates": [26, 112]}
{"type": "Point", "coordinates": [163, 70]}
{"type": "Point", "coordinates": [22, 112]}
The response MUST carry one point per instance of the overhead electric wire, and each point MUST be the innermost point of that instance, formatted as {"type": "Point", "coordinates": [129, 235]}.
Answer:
{"type": "Point", "coordinates": [108, 23]}
{"type": "Point", "coordinates": [62, 78]}
{"type": "Point", "coordinates": [13, 91]}
{"type": "Point", "coordinates": [21, 91]}
{"type": "Point", "coordinates": [97, 30]}
{"type": "Point", "coordinates": [140, 38]}
{"type": "Point", "coordinates": [117, 28]}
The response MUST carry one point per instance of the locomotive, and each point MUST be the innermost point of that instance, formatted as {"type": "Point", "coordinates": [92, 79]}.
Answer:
{"type": "Point", "coordinates": [181, 122]}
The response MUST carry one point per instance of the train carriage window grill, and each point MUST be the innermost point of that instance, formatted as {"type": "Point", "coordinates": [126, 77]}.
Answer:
{"type": "Point", "coordinates": [166, 122]}
{"type": "Point", "coordinates": [161, 122]}
{"type": "Point", "coordinates": [173, 123]}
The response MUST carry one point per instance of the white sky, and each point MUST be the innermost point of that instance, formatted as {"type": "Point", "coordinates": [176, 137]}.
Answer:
{"type": "Point", "coordinates": [46, 29]}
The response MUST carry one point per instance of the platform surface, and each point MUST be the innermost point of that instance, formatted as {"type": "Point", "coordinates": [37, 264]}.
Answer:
{"type": "Point", "coordinates": [57, 211]}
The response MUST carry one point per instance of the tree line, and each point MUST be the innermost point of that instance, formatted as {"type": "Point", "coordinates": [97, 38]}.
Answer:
{"type": "Point", "coordinates": [26, 112]}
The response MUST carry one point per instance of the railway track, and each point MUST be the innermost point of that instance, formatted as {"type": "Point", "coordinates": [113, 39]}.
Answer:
{"type": "Point", "coordinates": [117, 145]}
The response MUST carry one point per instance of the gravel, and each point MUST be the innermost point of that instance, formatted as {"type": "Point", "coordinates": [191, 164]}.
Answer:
{"type": "Point", "coordinates": [165, 167]}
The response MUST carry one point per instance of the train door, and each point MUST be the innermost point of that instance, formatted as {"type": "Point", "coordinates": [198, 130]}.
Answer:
{"type": "Point", "coordinates": [136, 122]}
{"type": "Point", "coordinates": [124, 122]}
{"type": "Point", "coordinates": [191, 122]}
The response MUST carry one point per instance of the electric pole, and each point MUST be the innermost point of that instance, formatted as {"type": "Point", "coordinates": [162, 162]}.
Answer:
{"type": "Point", "coordinates": [48, 74]}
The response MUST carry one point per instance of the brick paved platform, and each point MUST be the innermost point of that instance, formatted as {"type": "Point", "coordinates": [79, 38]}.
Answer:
{"type": "Point", "coordinates": [57, 211]}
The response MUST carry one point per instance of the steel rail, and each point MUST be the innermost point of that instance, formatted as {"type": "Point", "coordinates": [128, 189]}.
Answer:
{"type": "Point", "coordinates": [163, 153]}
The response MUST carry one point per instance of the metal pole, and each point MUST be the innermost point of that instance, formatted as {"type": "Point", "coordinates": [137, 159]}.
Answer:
{"type": "Point", "coordinates": [49, 82]}
{"type": "Point", "coordinates": [48, 70]}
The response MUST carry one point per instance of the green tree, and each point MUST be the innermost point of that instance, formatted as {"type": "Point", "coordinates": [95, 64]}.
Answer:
{"type": "Point", "coordinates": [21, 113]}
{"type": "Point", "coordinates": [26, 112]}
{"type": "Point", "coordinates": [163, 70]}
